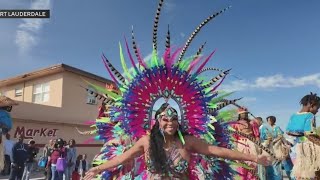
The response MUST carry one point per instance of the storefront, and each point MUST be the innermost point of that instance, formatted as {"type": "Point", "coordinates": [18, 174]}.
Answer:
{"type": "Point", "coordinates": [42, 132]}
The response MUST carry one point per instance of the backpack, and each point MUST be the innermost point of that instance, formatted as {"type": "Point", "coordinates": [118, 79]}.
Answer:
{"type": "Point", "coordinates": [61, 162]}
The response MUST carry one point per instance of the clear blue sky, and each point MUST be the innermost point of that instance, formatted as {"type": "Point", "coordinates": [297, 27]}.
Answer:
{"type": "Point", "coordinates": [274, 46]}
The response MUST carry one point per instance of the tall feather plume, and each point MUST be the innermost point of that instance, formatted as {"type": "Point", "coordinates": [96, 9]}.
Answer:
{"type": "Point", "coordinates": [170, 60]}
{"type": "Point", "coordinates": [130, 56]}
{"type": "Point", "coordinates": [199, 50]}
{"type": "Point", "coordinates": [214, 88]}
{"type": "Point", "coordinates": [155, 25]}
{"type": "Point", "coordinates": [196, 31]}
{"type": "Point", "coordinates": [168, 43]}
{"type": "Point", "coordinates": [136, 50]}
{"type": "Point", "coordinates": [216, 69]}
{"type": "Point", "coordinates": [222, 105]}
{"type": "Point", "coordinates": [112, 70]}
{"type": "Point", "coordinates": [238, 106]}
{"type": "Point", "coordinates": [210, 69]}
{"type": "Point", "coordinates": [196, 58]}
{"type": "Point", "coordinates": [123, 63]}
{"type": "Point", "coordinates": [103, 90]}
{"type": "Point", "coordinates": [110, 102]}
{"type": "Point", "coordinates": [205, 62]}
{"type": "Point", "coordinates": [215, 79]}
{"type": "Point", "coordinates": [234, 103]}
{"type": "Point", "coordinates": [193, 64]}
{"type": "Point", "coordinates": [110, 73]}
{"type": "Point", "coordinates": [102, 97]}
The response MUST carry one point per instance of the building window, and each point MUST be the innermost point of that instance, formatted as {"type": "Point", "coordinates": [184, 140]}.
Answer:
{"type": "Point", "coordinates": [2, 93]}
{"type": "Point", "coordinates": [91, 97]}
{"type": "Point", "coordinates": [18, 92]}
{"type": "Point", "coordinates": [41, 93]}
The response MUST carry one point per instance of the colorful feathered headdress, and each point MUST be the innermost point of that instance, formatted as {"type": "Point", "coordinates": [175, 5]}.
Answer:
{"type": "Point", "coordinates": [170, 76]}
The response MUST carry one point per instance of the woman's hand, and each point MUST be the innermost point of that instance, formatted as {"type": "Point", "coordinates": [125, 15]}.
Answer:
{"type": "Point", "coordinates": [92, 173]}
{"type": "Point", "coordinates": [264, 160]}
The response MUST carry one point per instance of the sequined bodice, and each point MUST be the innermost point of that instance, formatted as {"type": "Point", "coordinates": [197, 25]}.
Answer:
{"type": "Point", "coordinates": [177, 166]}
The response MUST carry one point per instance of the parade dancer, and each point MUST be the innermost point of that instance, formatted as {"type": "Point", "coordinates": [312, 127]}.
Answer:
{"type": "Point", "coordinates": [244, 144]}
{"type": "Point", "coordinates": [302, 133]}
{"type": "Point", "coordinates": [194, 145]}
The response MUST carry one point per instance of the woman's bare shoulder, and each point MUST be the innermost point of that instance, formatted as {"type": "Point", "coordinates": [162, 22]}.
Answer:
{"type": "Point", "coordinates": [189, 139]}
{"type": "Point", "coordinates": [145, 140]}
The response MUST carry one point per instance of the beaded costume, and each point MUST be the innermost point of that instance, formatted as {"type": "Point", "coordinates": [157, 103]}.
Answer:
{"type": "Point", "coordinates": [172, 77]}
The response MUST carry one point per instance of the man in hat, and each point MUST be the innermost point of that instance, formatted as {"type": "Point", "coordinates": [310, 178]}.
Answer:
{"type": "Point", "coordinates": [245, 145]}
{"type": "Point", "coordinates": [5, 121]}
{"type": "Point", "coordinates": [5, 118]}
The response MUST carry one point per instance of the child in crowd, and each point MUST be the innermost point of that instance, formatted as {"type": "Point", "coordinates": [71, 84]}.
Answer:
{"type": "Point", "coordinates": [304, 151]}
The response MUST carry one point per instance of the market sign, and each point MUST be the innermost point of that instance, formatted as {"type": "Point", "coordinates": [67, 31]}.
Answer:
{"type": "Point", "coordinates": [30, 133]}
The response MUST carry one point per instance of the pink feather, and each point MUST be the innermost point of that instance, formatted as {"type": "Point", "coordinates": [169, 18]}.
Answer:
{"type": "Point", "coordinates": [205, 62]}
{"type": "Point", "coordinates": [141, 62]}
{"type": "Point", "coordinates": [130, 56]}
{"type": "Point", "coordinates": [173, 57]}
{"type": "Point", "coordinates": [193, 64]}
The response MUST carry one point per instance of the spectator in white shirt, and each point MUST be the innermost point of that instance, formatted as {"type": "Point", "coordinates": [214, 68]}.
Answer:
{"type": "Point", "coordinates": [8, 145]}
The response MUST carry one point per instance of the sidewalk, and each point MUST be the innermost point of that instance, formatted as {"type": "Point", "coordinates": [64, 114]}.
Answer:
{"type": "Point", "coordinates": [34, 176]}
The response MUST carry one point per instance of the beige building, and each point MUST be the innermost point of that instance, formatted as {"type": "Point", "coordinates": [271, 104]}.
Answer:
{"type": "Point", "coordinates": [52, 103]}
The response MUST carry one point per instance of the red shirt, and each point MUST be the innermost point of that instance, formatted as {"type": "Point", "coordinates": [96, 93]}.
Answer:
{"type": "Point", "coordinates": [56, 153]}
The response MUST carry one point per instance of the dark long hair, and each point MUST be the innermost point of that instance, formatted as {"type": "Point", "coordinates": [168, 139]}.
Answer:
{"type": "Point", "coordinates": [157, 154]}
{"type": "Point", "coordinates": [311, 98]}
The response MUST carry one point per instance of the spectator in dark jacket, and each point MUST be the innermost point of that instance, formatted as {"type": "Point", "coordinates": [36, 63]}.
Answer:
{"type": "Point", "coordinates": [19, 157]}
{"type": "Point", "coordinates": [32, 154]}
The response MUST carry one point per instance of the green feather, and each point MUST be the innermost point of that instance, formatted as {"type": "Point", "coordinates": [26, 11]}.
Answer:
{"type": "Point", "coordinates": [154, 59]}
{"type": "Point", "coordinates": [181, 138]}
{"type": "Point", "coordinates": [213, 119]}
{"type": "Point", "coordinates": [211, 136]}
{"type": "Point", "coordinates": [104, 120]}
{"type": "Point", "coordinates": [124, 66]}
{"type": "Point", "coordinates": [162, 61]}
{"type": "Point", "coordinates": [212, 105]}
{"type": "Point", "coordinates": [184, 65]}
{"type": "Point", "coordinates": [218, 99]}
{"type": "Point", "coordinates": [227, 115]}
{"type": "Point", "coordinates": [133, 71]}
{"type": "Point", "coordinates": [114, 96]}
{"type": "Point", "coordinates": [212, 127]}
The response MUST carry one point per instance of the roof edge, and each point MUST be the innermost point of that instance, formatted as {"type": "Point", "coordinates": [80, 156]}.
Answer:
{"type": "Point", "coordinates": [49, 71]}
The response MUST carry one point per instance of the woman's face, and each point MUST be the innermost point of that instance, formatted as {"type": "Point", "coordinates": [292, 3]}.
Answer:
{"type": "Point", "coordinates": [72, 143]}
{"type": "Point", "coordinates": [269, 122]}
{"type": "Point", "coordinates": [244, 116]}
{"type": "Point", "coordinates": [168, 122]}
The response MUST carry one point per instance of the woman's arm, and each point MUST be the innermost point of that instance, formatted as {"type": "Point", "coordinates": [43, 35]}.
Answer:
{"type": "Point", "coordinates": [128, 155]}
{"type": "Point", "coordinates": [199, 146]}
